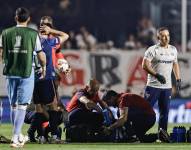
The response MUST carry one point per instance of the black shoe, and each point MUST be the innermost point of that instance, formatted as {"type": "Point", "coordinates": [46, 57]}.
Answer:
{"type": "Point", "coordinates": [149, 138]}
{"type": "Point", "coordinates": [163, 136]}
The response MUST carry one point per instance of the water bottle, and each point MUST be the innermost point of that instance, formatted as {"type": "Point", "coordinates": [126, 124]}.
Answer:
{"type": "Point", "coordinates": [174, 135]}
{"type": "Point", "coordinates": [179, 134]}
{"type": "Point", "coordinates": [107, 119]}
{"type": "Point", "coordinates": [182, 134]}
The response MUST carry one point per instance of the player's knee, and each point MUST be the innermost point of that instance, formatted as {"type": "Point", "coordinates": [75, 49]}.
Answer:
{"type": "Point", "coordinates": [39, 108]}
{"type": "Point", "coordinates": [13, 106]}
{"type": "Point", "coordinates": [53, 106]}
{"type": "Point", "coordinates": [22, 106]}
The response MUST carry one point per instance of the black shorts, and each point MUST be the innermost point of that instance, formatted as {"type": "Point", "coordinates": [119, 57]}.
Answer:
{"type": "Point", "coordinates": [44, 92]}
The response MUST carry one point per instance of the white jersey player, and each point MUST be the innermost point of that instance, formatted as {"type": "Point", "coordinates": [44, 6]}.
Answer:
{"type": "Point", "coordinates": [162, 60]}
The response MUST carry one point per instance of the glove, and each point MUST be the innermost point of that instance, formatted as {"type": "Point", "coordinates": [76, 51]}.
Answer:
{"type": "Point", "coordinates": [160, 78]}
{"type": "Point", "coordinates": [178, 84]}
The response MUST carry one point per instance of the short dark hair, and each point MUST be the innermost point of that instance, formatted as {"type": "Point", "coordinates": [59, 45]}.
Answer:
{"type": "Point", "coordinates": [22, 14]}
{"type": "Point", "coordinates": [49, 19]}
{"type": "Point", "coordinates": [161, 29]}
{"type": "Point", "coordinates": [108, 94]}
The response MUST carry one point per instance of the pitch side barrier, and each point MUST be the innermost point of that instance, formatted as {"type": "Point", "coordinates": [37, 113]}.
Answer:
{"type": "Point", "coordinates": [180, 110]}
{"type": "Point", "coordinates": [116, 69]}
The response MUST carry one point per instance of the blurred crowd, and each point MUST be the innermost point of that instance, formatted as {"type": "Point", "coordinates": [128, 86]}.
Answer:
{"type": "Point", "coordinates": [142, 39]}
{"type": "Point", "coordinates": [94, 29]}
{"type": "Point", "coordinates": [145, 36]}
{"type": "Point", "coordinates": [88, 32]}
{"type": "Point", "coordinates": [84, 39]}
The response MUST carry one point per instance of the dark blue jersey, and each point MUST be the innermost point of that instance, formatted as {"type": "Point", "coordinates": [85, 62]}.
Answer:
{"type": "Point", "coordinates": [49, 46]}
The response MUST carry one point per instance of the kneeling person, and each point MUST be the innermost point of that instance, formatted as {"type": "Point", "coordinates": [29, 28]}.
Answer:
{"type": "Point", "coordinates": [83, 103]}
{"type": "Point", "coordinates": [135, 113]}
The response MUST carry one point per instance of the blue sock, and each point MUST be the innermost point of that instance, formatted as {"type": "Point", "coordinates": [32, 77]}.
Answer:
{"type": "Point", "coordinates": [19, 121]}
{"type": "Point", "coordinates": [13, 114]}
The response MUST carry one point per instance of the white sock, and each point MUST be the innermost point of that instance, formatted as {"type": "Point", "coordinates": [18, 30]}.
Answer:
{"type": "Point", "coordinates": [54, 136]}
{"type": "Point", "coordinates": [15, 138]}
{"type": "Point", "coordinates": [19, 120]}
{"type": "Point", "coordinates": [13, 114]}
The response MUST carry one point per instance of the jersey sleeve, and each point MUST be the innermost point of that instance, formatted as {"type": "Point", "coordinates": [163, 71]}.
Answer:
{"type": "Point", "coordinates": [149, 54]}
{"type": "Point", "coordinates": [38, 46]}
{"type": "Point", "coordinates": [80, 93]}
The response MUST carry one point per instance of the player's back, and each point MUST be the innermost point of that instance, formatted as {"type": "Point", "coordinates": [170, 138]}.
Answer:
{"type": "Point", "coordinates": [136, 102]}
{"type": "Point", "coordinates": [18, 46]}
{"type": "Point", "coordinates": [75, 103]}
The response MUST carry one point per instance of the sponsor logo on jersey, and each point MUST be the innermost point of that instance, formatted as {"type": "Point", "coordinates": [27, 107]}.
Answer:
{"type": "Point", "coordinates": [165, 61]}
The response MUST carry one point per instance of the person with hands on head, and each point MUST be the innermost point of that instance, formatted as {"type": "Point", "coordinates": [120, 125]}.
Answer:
{"type": "Point", "coordinates": [47, 31]}
{"type": "Point", "coordinates": [45, 91]}
{"type": "Point", "coordinates": [159, 61]}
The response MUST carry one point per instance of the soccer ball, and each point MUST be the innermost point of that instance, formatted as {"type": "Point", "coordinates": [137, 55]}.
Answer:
{"type": "Point", "coordinates": [62, 65]}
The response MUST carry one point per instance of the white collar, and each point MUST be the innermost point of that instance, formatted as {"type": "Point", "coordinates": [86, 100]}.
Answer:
{"type": "Point", "coordinates": [20, 25]}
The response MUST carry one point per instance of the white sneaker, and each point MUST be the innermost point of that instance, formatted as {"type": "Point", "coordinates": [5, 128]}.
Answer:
{"type": "Point", "coordinates": [55, 140]}
{"type": "Point", "coordinates": [23, 139]}
{"type": "Point", "coordinates": [42, 140]}
{"type": "Point", "coordinates": [15, 142]}
{"type": "Point", "coordinates": [16, 145]}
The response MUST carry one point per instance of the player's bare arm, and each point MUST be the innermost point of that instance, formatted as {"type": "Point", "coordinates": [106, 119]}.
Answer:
{"type": "Point", "coordinates": [1, 54]}
{"type": "Point", "coordinates": [176, 70]}
{"type": "Point", "coordinates": [122, 119]}
{"type": "Point", "coordinates": [1, 49]}
{"type": "Point", "coordinates": [42, 59]}
{"type": "Point", "coordinates": [89, 104]}
{"type": "Point", "coordinates": [146, 65]}
{"type": "Point", "coordinates": [103, 105]}
{"type": "Point", "coordinates": [62, 35]}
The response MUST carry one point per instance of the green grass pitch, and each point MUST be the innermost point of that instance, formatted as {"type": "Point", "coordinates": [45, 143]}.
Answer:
{"type": "Point", "coordinates": [5, 129]}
